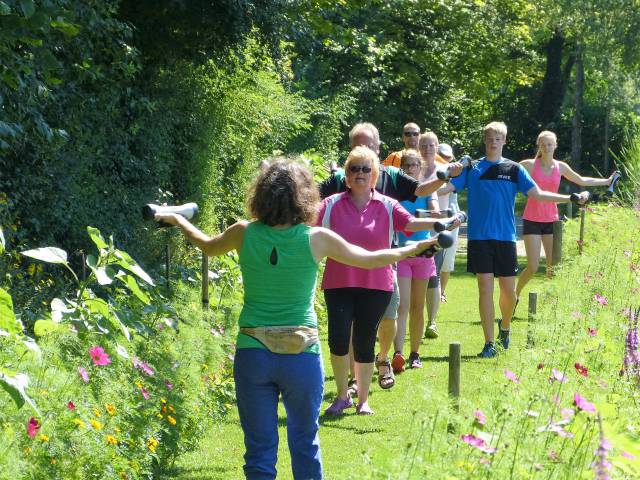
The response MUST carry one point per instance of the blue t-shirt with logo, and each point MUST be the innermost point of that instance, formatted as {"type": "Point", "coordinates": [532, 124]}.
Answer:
{"type": "Point", "coordinates": [493, 187]}
{"type": "Point", "coordinates": [411, 207]}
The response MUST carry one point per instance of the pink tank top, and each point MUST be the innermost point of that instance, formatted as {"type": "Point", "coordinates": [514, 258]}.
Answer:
{"type": "Point", "coordinates": [535, 210]}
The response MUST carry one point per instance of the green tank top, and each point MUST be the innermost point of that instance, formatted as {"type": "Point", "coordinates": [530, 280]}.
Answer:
{"type": "Point", "coordinates": [279, 276]}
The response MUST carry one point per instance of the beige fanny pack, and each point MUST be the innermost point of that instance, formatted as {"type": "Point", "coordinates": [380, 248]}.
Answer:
{"type": "Point", "coordinates": [284, 339]}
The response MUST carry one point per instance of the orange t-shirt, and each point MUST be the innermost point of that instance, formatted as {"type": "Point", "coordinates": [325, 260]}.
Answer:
{"type": "Point", "coordinates": [394, 159]}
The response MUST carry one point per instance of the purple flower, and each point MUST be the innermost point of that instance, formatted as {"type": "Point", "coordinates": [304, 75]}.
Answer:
{"type": "Point", "coordinates": [479, 443]}
{"type": "Point", "coordinates": [628, 455]}
{"type": "Point", "coordinates": [582, 404]}
{"type": "Point", "coordinates": [168, 385]}
{"type": "Point", "coordinates": [631, 362]}
{"type": "Point", "coordinates": [557, 376]}
{"type": "Point", "coordinates": [601, 465]}
{"type": "Point", "coordinates": [83, 374]}
{"type": "Point", "coordinates": [511, 376]}
{"type": "Point", "coordinates": [480, 418]}
{"type": "Point", "coordinates": [142, 366]}
{"type": "Point", "coordinates": [602, 300]}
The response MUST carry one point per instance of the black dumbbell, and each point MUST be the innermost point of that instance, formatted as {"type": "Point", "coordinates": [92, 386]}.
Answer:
{"type": "Point", "coordinates": [188, 211]}
{"type": "Point", "coordinates": [444, 175]}
{"type": "Point", "coordinates": [445, 240]}
{"type": "Point", "coordinates": [575, 198]}
{"type": "Point", "coordinates": [440, 226]}
{"type": "Point", "coordinates": [422, 213]}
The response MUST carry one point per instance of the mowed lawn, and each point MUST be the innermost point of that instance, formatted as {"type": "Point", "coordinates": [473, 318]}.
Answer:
{"type": "Point", "coordinates": [376, 446]}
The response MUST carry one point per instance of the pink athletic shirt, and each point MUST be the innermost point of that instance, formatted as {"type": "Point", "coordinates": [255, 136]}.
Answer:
{"type": "Point", "coordinates": [535, 210]}
{"type": "Point", "coordinates": [367, 228]}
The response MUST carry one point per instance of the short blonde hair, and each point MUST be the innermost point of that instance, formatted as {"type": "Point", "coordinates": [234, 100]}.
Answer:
{"type": "Point", "coordinates": [496, 127]}
{"type": "Point", "coordinates": [362, 153]}
{"type": "Point", "coordinates": [428, 135]}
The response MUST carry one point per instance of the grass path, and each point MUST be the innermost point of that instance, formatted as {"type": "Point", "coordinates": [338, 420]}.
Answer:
{"type": "Point", "coordinates": [357, 447]}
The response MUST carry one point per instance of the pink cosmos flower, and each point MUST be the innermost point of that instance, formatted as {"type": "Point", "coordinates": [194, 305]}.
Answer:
{"type": "Point", "coordinates": [144, 393]}
{"type": "Point", "coordinates": [557, 376]}
{"type": "Point", "coordinates": [71, 405]}
{"type": "Point", "coordinates": [511, 376]}
{"type": "Point", "coordinates": [627, 253]}
{"type": "Point", "coordinates": [628, 455]}
{"type": "Point", "coordinates": [583, 404]}
{"type": "Point", "coordinates": [602, 300]}
{"type": "Point", "coordinates": [480, 418]}
{"type": "Point", "coordinates": [215, 332]}
{"type": "Point", "coordinates": [592, 331]}
{"type": "Point", "coordinates": [142, 366]}
{"type": "Point", "coordinates": [168, 385]}
{"type": "Point", "coordinates": [479, 443]}
{"type": "Point", "coordinates": [560, 431]}
{"type": "Point", "coordinates": [567, 412]}
{"type": "Point", "coordinates": [83, 374]}
{"type": "Point", "coordinates": [581, 369]}
{"type": "Point", "coordinates": [32, 427]}
{"type": "Point", "coordinates": [99, 357]}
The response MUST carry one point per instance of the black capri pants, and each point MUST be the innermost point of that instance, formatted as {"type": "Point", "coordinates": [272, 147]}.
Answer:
{"type": "Point", "coordinates": [364, 308]}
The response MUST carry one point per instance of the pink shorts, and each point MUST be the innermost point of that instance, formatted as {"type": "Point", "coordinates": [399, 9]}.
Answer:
{"type": "Point", "coordinates": [417, 267]}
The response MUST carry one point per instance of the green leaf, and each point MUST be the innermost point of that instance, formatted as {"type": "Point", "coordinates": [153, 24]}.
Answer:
{"type": "Point", "coordinates": [58, 309]}
{"type": "Point", "coordinates": [28, 8]}
{"type": "Point", "coordinates": [115, 320]}
{"type": "Point", "coordinates": [104, 275]}
{"type": "Point", "coordinates": [47, 254]}
{"type": "Point", "coordinates": [132, 285]}
{"type": "Point", "coordinates": [67, 28]}
{"type": "Point", "coordinates": [98, 306]}
{"type": "Point", "coordinates": [130, 264]}
{"type": "Point", "coordinates": [96, 236]}
{"type": "Point", "coordinates": [5, 9]}
{"type": "Point", "coordinates": [44, 327]}
{"type": "Point", "coordinates": [8, 319]}
{"type": "Point", "coordinates": [15, 387]}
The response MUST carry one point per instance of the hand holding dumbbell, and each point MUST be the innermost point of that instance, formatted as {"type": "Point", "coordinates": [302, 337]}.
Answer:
{"type": "Point", "coordinates": [613, 180]}
{"type": "Point", "coordinates": [454, 169]}
{"type": "Point", "coordinates": [165, 215]}
{"type": "Point", "coordinates": [422, 213]}
{"type": "Point", "coordinates": [444, 239]}
{"type": "Point", "coordinates": [580, 198]}
{"type": "Point", "coordinates": [450, 223]}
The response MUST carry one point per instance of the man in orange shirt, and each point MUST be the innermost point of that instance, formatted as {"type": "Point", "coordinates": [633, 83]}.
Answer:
{"type": "Point", "coordinates": [410, 136]}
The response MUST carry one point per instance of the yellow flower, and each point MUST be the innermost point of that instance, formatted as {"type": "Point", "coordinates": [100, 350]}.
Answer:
{"type": "Point", "coordinates": [96, 412]}
{"type": "Point", "coordinates": [53, 461]}
{"type": "Point", "coordinates": [116, 429]}
{"type": "Point", "coordinates": [205, 366]}
{"type": "Point", "coordinates": [111, 408]}
{"type": "Point", "coordinates": [171, 420]}
{"type": "Point", "coordinates": [111, 440]}
{"type": "Point", "coordinates": [123, 476]}
{"type": "Point", "coordinates": [159, 415]}
{"type": "Point", "coordinates": [96, 424]}
{"type": "Point", "coordinates": [44, 438]}
{"type": "Point", "coordinates": [163, 400]}
{"type": "Point", "coordinates": [26, 450]}
{"type": "Point", "coordinates": [138, 384]}
{"type": "Point", "coordinates": [152, 443]}
{"type": "Point", "coordinates": [164, 409]}
{"type": "Point", "coordinates": [79, 423]}
{"type": "Point", "coordinates": [173, 410]}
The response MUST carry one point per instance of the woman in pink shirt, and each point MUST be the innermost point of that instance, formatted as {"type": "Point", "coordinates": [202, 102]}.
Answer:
{"type": "Point", "coordinates": [539, 216]}
{"type": "Point", "coordinates": [355, 296]}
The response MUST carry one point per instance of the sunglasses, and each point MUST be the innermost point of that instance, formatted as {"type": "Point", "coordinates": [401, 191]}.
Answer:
{"type": "Point", "coordinates": [411, 134]}
{"type": "Point", "coordinates": [359, 168]}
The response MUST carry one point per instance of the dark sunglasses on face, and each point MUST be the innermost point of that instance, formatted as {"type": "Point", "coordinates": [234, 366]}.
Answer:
{"type": "Point", "coordinates": [411, 134]}
{"type": "Point", "coordinates": [359, 168]}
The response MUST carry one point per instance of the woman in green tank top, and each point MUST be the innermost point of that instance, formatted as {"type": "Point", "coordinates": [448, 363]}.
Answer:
{"type": "Point", "coordinates": [277, 346]}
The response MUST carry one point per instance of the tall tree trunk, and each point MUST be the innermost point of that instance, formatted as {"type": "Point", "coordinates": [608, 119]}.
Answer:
{"type": "Point", "coordinates": [576, 131]}
{"type": "Point", "coordinates": [554, 83]}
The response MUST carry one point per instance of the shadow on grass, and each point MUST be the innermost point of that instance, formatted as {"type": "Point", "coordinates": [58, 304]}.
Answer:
{"type": "Point", "coordinates": [445, 358]}
{"type": "Point", "coordinates": [334, 421]}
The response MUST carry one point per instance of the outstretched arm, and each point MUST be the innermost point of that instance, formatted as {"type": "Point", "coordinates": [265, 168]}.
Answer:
{"type": "Point", "coordinates": [572, 176]}
{"type": "Point", "coordinates": [230, 239]}
{"type": "Point", "coordinates": [325, 243]}
{"type": "Point", "coordinates": [544, 196]}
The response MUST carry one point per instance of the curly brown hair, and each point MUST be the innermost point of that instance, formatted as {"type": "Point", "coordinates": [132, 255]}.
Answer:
{"type": "Point", "coordinates": [284, 193]}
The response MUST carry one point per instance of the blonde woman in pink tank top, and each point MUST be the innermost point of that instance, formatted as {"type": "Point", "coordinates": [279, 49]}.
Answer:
{"type": "Point", "coordinates": [539, 216]}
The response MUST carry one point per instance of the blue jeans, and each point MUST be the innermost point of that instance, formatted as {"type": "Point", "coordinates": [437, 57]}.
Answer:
{"type": "Point", "coordinates": [261, 376]}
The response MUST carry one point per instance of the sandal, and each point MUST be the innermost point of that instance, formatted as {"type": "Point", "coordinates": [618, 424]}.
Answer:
{"type": "Point", "coordinates": [352, 388]}
{"type": "Point", "coordinates": [385, 380]}
{"type": "Point", "coordinates": [443, 298]}
{"type": "Point", "coordinates": [363, 409]}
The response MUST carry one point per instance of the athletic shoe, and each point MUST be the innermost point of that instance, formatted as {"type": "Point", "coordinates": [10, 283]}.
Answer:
{"type": "Point", "coordinates": [364, 409]}
{"type": "Point", "coordinates": [338, 406]}
{"type": "Point", "coordinates": [489, 351]}
{"type": "Point", "coordinates": [414, 360]}
{"type": "Point", "coordinates": [503, 335]}
{"type": "Point", "coordinates": [431, 331]}
{"type": "Point", "coordinates": [397, 363]}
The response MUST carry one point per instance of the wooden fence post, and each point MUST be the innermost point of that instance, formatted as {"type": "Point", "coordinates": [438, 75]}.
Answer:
{"type": "Point", "coordinates": [569, 211]}
{"type": "Point", "coordinates": [583, 211]}
{"type": "Point", "coordinates": [454, 372]}
{"type": "Point", "coordinates": [557, 243]}
{"type": "Point", "coordinates": [533, 303]}
{"type": "Point", "coordinates": [205, 281]}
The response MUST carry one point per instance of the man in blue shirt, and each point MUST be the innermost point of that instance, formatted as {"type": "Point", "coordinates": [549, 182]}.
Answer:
{"type": "Point", "coordinates": [493, 183]}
